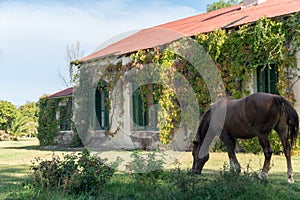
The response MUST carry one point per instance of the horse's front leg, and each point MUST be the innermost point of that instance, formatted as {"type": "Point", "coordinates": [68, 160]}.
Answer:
{"type": "Point", "coordinates": [264, 142]}
{"type": "Point", "coordinates": [230, 143]}
{"type": "Point", "coordinates": [234, 164]}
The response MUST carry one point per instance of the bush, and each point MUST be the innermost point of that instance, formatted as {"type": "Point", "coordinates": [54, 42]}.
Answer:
{"type": "Point", "coordinates": [253, 146]}
{"type": "Point", "coordinates": [146, 167]}
{"type": "Point", "coordinates": [80, 173]}
{"type": "Point", "coordinates": [181, 182]}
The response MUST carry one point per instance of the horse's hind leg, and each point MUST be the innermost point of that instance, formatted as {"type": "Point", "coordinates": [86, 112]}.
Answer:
{"type": "Point", "coordinates": [283, 134]}
{"type": "Point", "coordinates": [265, 143]}
{"type": "Point", "coordinates": [230, 143]}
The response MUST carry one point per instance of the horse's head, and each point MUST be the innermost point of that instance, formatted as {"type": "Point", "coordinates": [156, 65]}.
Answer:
{"type": "Point", "coordinates": [198, 162]}
{"type": "Point", "coordinates": [200, 158]}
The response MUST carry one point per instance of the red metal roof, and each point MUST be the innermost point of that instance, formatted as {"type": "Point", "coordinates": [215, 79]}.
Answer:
{"type": "Point", "coordinates": [62, 93]}
{"type": "Point", "coordinates": [202, 23]}
{"type": "Point", "coordinates": [144, 39]}
{"type": "Point", "coordinates": [232, 16]}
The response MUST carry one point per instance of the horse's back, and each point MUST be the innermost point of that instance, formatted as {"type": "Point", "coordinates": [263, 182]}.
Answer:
{"type": "Point", "coordinates": [256, 112]}
{"type": "Point", "coordinates": [261, 105]}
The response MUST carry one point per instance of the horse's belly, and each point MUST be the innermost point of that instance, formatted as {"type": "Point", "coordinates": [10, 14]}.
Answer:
{"type": "Point", "coordinates": [239, 130]}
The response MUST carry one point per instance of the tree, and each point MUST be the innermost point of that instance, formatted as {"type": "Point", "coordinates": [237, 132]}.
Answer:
{"type": "Point", "coordinates": [30, 110]}
{"type": "Point", "coordinates": [22, 126]}
{"type": "Point", "coordinates": [73, 54]}
{"type": "Point", "coordinates": [8, 114]}
{"type": "Point", "coordinates": [26, 122]}
{"type": "Point", "coordinates": [221, 4]}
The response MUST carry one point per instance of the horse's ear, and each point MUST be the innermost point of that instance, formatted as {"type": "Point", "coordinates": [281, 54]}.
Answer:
{"type": "Point", "coordinates": [195, 142]}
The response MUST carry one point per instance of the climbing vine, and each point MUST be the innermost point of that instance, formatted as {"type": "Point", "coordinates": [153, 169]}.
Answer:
{"type": "Point", "coordinates": [237, 52]}
{"type": "Point", "coordinates": [48, 124]}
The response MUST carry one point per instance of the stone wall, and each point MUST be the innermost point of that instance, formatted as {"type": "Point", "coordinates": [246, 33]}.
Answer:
{"type": "Point", "coordinates": [64, 138]}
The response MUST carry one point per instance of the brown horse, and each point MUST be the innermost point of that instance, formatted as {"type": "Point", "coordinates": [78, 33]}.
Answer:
{"type": "Point", "coordinates": [253, 116]}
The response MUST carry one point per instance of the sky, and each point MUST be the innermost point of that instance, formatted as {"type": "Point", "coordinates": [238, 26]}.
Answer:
{"type": "Point", "coordinates": [34, 35]}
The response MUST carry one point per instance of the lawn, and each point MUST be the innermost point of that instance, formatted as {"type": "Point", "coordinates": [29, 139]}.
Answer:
{"type": "Point", "coordinates": [16, 157]}
{"type": "Point", "coordinates": [15, 161]}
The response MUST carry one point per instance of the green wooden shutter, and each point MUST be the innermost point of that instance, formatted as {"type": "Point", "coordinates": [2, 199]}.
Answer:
{"type": "Point", "coordinates": [98, 107]}
{"type": "Point", "coordinates": [273, 79]}
{"type": "Point", "coordinates": [156, 89]}
{"type": "Point", "coordinates": [267, 79]}
{"type": "Point", "coordinates": [139, 111]}
{"type": "Point", "coordinates": [65, 116]}
{"type": "Point", "coordinates": [102, 106]}
{"type": "Point", "coordinates": [106, 109]}
{"type": "Point", "coordinates": [261, 79]}
{"type": "Point", "coordinates": [68, 114]}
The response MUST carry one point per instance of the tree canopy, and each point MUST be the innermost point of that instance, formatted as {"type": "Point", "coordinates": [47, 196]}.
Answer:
{"type": "Point", "coordinates": [20, 121]}
{"type": "Point", "coordinates": [30, 110]}
{"type": "Point", "coordinates": [8, 114]}
{"type": "Point", "coordinates": [221, 4]}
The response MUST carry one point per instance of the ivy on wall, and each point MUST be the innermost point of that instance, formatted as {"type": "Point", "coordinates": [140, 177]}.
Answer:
{"type": "Point", "coordinates": [48, 124]}
{"type": "Point", "coordinates": [237, 52]}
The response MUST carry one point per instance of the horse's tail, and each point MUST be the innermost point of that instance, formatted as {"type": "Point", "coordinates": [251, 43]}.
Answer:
{"type": "Point", "coordinates": [292, 118]}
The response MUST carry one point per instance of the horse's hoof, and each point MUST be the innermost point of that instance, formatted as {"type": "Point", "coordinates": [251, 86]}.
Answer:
{"type": "Point", "coordinates": [290, 180]}
{"type": "Point", "coordinates": [195, 171]}
{"type": "Point", "coordinates": [262, 175]}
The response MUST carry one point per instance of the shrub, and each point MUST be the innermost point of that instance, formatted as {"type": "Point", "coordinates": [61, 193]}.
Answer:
{"type": "Point", "coordinates": [181, 182]}
{"type": "Point", "coordinates": [146, 167]}
{"type": "Point", "coordinates": [252, 145]}
{"type": "Point", "coordinates": [76, 173]}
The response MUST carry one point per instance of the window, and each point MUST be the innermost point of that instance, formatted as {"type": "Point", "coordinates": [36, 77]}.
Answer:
{"type": "Point", "coordinates": [102, 106]}
{"type": "Point", "coordinates": [267, 78]}
{"type": "Point", "coordinates": [65, 116]}
{"type": "Point", "coordinates": [144, 108]}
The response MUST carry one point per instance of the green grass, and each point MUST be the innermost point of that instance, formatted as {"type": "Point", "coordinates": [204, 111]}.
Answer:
{"type": "Point", "coordinates": [214, 183]}
{"type": "Point", "coordinates": [11, 177]}
{"type": "Point", "coordinates": [15, 161]}
{"type": "Point", "coordinates": [185, 186]}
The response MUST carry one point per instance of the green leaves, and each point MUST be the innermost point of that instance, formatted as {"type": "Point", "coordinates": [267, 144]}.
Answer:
{"type": "Point", "coordinates": [8, 114]}
{"type": "Point", "coordinates": [221, 4]}
{"type": "Point", "coordinates": [18, 122]}
{"type": "Point", "coordinates": [146, 167]}
{"type": "Point", "coordinates": [22, 126]}
{"type": "Point", "coordinates": [76, 173]}
{"type": "Point", "coordinates": [239, 51]}
{"type": "Point", "coordinates": [48, 124]}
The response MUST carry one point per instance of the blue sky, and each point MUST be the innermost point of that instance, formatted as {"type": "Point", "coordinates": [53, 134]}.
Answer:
{"type": "Point", "coordinates": [34, 35]}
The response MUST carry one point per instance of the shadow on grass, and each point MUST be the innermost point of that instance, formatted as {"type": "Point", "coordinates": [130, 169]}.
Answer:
{"type": "Point", "coordinates": [30, 147]}
{"type": "Point", "coordinates": [13, 174]}
{"type": "Point", "coordinates": [33, 144]}
{"type": "Point", "coordinates": [281, 178]}
{"type": "Point", "coordinates": [43, 148]}
{"type": "Point", "coordinates": [11, 178]}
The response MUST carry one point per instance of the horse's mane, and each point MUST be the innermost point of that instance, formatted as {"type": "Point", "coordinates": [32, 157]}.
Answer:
{"type": "Point", "coordinates": [203, 126]}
